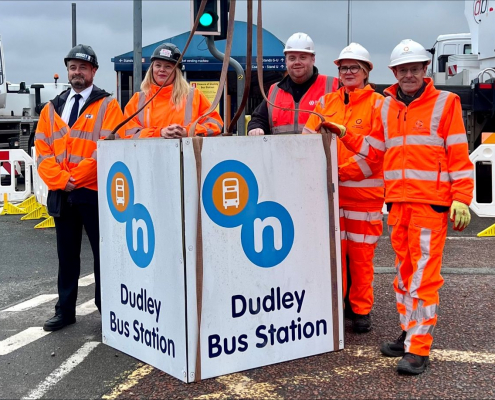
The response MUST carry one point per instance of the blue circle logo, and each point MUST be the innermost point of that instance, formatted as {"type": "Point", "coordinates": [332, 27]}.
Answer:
{"type": "Point", "coordinates": [140, 232]}
{"type": "Point", "coordinates": [230, 198]}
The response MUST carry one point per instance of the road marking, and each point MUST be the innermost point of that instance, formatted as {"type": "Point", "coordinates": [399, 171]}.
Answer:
{"type": "Point", "coordinates": [131, 381]}
{"type": "Point", "coordinates": [34, 302]}
{"type": "Point", "coordinates": [468, 238]}
{"type": "Point", "coordinates": [463, 356]}
{"type": "Point", "coordinates": [238, 385]}
{"type": "Point", "coordinates": [87, 280]}
{"type": "Point", "coordinates": [436, 354]}
{"type": "Point", "coordinates": [21, 339]}
{"type": "Point", "coordinates": [68, 365]}
{"type": "Point", "coordinates": [456, 238]}
{"type": "Point", "coordinates": [86, 308]}
{"type": "Point", "coordinates": [445, 270]}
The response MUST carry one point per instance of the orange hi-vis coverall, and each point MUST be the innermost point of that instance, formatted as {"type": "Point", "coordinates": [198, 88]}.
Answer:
{"type": "Point", "coordinates": [161, 113]}
{"type": "Point", "coordinates": [65, 152]}
{"type": "Point", "coordinates": [426, 166]}
{"type": "Point", "coordinates": [361, 190]}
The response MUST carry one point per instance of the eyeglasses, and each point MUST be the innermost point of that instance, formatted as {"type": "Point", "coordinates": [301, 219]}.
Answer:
{"type": "Point", "coordinates": [413, 70]}
{"type": "Point", "coordinates": [353, 68]}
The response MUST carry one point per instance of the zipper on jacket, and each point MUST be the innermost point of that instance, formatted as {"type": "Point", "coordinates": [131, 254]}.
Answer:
{"type": "Point", "coordinates": [296, 117]}
{"type": "Point", "coordinates": [404, 134]}
{"type": "Point", "coordinates": [438, 174]}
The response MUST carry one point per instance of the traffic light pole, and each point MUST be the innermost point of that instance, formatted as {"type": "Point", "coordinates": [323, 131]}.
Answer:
{"type": "Point", "coordinates": [241, 123]}
{"type": "Point", "coordinates": [137, 72]}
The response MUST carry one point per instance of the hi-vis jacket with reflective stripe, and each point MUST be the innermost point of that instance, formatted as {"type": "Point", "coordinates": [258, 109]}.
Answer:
{"type": "Point", "coordinates": [161, 113]}
{"type": "Point", "coordinates": [283, 121]}
{"type": "Point", "coordinates": [65, 152]}
{"type": "Point", "coordinates": [360, 182]}
{"type": "Point", "coordinates": [426, 152]}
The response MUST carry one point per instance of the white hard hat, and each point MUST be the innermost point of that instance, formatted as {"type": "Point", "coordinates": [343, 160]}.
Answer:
{"type": "Point", "coordinates": [300, 42]}
{"type": "Point", "coordinates": [354, 52]}
{"type": "Point", "coordinates": [408, 51]}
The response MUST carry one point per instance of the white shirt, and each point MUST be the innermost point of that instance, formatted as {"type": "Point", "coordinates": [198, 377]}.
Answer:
{"type": "Point", "coordinates": [70, 102]}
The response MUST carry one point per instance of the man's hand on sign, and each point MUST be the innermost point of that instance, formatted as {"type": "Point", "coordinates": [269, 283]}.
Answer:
{"type": "Point", "coordinates": [256, 132]}
{"type": "Point", "coordinates": [331, 127]}
{"type": "Point", "coordinates": [70, 186]}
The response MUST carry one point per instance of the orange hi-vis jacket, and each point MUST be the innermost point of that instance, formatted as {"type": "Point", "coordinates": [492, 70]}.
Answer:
{"type": "Point", "coordinates": [284, 121]}
{"type": "Point", "coordinates": [65, 152]}
{"type": "Point", "coordinates": [161, 113]}
{"type": "Point", "coordinates": [360, 182]}
{"type": "Point", "coordinates": [426, 152]}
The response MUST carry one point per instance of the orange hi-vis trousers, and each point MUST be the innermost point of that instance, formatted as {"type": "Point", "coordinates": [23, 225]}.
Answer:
{"type": "Point", "coordinates": [418, 234]}
{"type": "Point", "coordinates": [360, 230]}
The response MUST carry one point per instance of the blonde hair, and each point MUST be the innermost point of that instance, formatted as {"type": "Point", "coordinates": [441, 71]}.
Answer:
{"type": "Point", "coordinates": [366, 68]}
{"type": "Point", "coordinates": [179, 91]}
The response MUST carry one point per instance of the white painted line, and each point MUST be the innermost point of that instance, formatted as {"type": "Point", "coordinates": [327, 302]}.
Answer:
{"type": "Point", "coordinates": [57, 375]}
{"type": "Point", "coordinates": [34, 302]}
{"type": "Point", "coordinates": [87, 280]}
{"type": "Point", "coordinates": [21, 339]}
{"type": "Point", "coordinates": [86, 308]}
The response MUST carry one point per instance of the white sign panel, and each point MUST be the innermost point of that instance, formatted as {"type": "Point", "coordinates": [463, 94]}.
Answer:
{"type": "Point", "coordinates": [141, 247]}
{"type": "Point", "coordinates": [264, 279]}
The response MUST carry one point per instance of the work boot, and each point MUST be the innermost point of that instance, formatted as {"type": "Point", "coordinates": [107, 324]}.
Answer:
{"type": "Point", "coordinates": [361, 323]}
{"type": "Point", "coordinates": [348, 313]}
{"type": "Point", "coordinates": [394, 349]}
{"type": "Point", "coordinates": [58, 322]}
{"type": "Point", "coordinates": [412, 364]}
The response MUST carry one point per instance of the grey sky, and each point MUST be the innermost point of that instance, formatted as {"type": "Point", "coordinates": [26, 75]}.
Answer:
{"type": "Point", "coordinates": [37, 34]}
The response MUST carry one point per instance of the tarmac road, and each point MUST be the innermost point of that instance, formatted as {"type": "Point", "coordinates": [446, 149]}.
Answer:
{"type": "Point", "coordinates": [72, 363]}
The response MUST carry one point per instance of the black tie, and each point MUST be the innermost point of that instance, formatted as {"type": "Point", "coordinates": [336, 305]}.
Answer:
{"type": "Point", "coordinates": [74, 113]}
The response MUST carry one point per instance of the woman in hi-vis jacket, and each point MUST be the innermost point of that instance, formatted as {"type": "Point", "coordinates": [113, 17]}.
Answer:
{"type": "Point", "coordinates": [176, 107]}
{"type": "Point", "coordinates": [361, 188]}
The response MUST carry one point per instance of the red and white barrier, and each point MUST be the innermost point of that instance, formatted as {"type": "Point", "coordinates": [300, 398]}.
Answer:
{"type": "Point", "coordinates": [15, 157]}
{"type": "Point", "coordinates": [484, 154]}
{"type": "Point", "coordinates": [39, 186]}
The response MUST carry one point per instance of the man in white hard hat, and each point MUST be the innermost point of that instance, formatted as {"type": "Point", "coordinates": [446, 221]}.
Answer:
{"type": "Point", "coordinates": [301, 89]}
{"type": "Point", "coordinates": [427, 171]}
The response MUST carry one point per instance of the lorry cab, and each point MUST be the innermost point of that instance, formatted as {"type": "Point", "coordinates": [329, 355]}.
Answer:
{"type": "Point", "coordinates": [449, 45]}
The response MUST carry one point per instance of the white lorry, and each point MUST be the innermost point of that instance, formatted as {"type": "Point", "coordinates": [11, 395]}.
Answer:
{"type": "Point", "coordinates": [20, 107]}
{"type": "Point", "coordinates": [465, 64]}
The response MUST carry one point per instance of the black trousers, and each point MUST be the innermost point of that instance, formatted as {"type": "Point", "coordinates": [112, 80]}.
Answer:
{"type": "Point", "coordinates": [69, 228]}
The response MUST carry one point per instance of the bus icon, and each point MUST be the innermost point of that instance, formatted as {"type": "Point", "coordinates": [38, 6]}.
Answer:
{"type": "Point", "coordinates": [119, 191]}
{"type": "Point", "coordinates": [230, 192]}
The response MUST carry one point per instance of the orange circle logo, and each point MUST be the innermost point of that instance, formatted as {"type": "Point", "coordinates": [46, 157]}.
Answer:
{"type": "Point", "coordinates": [120, 191]}
{"type": "Point", "coordinates": [230, 193]}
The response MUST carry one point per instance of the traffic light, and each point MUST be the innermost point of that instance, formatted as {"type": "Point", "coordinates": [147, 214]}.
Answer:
{"type": "Point", "coordinates": [214, 19]}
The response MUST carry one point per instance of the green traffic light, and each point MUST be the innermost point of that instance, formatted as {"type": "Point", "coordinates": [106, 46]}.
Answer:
{"type": "Point", "coordinates": [206, 19]}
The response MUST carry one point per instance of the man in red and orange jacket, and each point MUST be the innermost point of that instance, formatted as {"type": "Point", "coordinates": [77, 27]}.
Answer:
{"type": "Point", "coordinates": [300, 89]}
